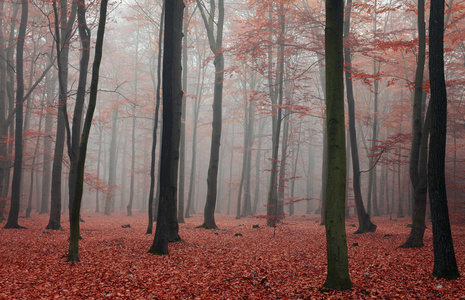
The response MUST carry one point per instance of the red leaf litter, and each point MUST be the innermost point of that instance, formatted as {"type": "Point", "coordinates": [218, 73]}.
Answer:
{"type": "Point", "coordinates": [235, 262]}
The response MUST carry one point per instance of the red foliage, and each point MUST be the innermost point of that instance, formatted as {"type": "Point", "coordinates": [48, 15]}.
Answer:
{"type": "Point", "coordinates": [235, 262]}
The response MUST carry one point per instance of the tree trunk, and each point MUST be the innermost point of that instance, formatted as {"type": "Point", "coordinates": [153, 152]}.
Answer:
{"type": "Point", "coordinates": [418, 158]}
{"type": "Point", "coordinates": [13, 215]}
{"type": "Point", "coordinates": [155, 124]}
{"type": "Point", "coordinates": [261, 125]}
{"type": "Point", "coordinates": [44, 207]}
{"type": "Point", "coordinates": [172, 101]}
{"type": "Point", "coordinates": [216, 45]}
{"type": "Point", "coordinates": [364, 221]}
{"type": "Point", "coordinates": [111, 197]}
{"type": "Point", "coordinates": [195, 112]}
{"type": "Point", "coordinates": [276, 102]}
{"type": "Point", "coordinates": [445, 264]}
{"type": "Point", "coordinates": [182, 149]}
{"type": "Point", "coordinates": [97, 190]}
{"type": "Point", "coordinates": [338, 267]}
{"type": "Point", "coordinates": [63, 36]}
{"type": "Point", "coordinates": [74, 236]}
{"type": "Point", "coordinates": [123, 176]}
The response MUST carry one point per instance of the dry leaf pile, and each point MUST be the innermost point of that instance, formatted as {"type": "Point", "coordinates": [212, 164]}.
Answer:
{"type": "Point", "coordinates": [235, 262]}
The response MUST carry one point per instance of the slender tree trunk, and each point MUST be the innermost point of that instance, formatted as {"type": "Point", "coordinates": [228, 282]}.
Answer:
{"type": "Point", "coordinates": [63, 36]}
{"type": "Point", "coordinates": [216, 46]}
{"type": "Point", "coordinates": [231, 170]}
{"type": "Point", "coordinates": [3, 124]}
{"type": "Point", "coordinates": [123, 176]}
{"type": "Point", "coordinates": [311, 163]}
{"type": "Point", "coordinates": [364, 221]}
{"type": "Point", "coordinates": [73, 250]}
{"type": "Point", "coordinates": [111, 197]}
{"type": "Point", "coordinates": [97, 190]}
{"type": "Point", "coordinates": [418, 156]}
{"type": "Point", "coordinates": [13, 215]}
{"type": "Point", "coordinates": [44, 207]}
{"type": "Point", "coordinates": [324, 162]}
{"type": "Point", "coordinates": [276, 102]}
{"type": "Point", "coordinates": [155, 125]}
{"type": "Point", "coordinates": [195, 112]}
{"type": "Point", "coordinates": [182, 150]}
{"type": "Point", "coordinates": [9, 128]}
{"type": "Point", "coordinates": [261, 125]}
{"type": "Point", "coordinates": [282, 168]}
{"type": "Point", "coordinates": [34, 158]}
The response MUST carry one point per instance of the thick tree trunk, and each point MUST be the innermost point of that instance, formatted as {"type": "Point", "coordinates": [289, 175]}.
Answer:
{"type": "Point", "coordinates": [338, 267]}
{"type": "Point", "coordinates": [445, 264]}
{"type": "Point", "coordinates": [172, 101]}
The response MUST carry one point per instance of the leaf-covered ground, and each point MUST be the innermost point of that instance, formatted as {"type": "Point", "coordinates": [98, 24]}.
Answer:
{"type": "Point", "coordinates": [235, 262]}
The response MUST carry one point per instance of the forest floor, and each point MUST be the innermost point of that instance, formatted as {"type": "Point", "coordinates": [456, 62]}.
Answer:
{"type": "Point", "coordinates": [234, 262]}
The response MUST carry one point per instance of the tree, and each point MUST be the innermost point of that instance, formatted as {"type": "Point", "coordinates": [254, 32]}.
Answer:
{"type": "Point", "coordinates": [155, 125]}
{"type": "Point", "coordinates": [167, 225]}
{"type": "Point", "coordinates": [364, 221]}
{"type": "Point", "coordinates": [216, 46]}
{"type": "Point", "coordinates": [445, 264]}
{"type": "Point", "coordinates": [63, 33]}
{"type": "Point", "coordinates": [272, 210]}
{"type": "Point", "coordinates": [338, 266]}
{"type": "Point", "coordinates": [73, 251]}
{"type": "Point", "coordinates": [417, 163]}
{"type": "Point", "coordinates": [16, 184]}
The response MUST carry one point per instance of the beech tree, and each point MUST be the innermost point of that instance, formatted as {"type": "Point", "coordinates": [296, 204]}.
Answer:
{"type": "Point", "coordinates": [364, 220]}
{"type": "Point", "coordinates": [16, 183]}
{"type": "Point", "coordinates": [216, 46]}
{"type": "Point", "coordinates": [167, 226]}
{"type": "Point", "coordinates": [417, 163]}
{"type": "Point", "coordinates": [63, 33]}
{"type": "Point", "coordinates": [445, 264]}
{"type": "Point", "coordinates": [338, 266]}
{"type": "Point", "coordinates": [81, 149]}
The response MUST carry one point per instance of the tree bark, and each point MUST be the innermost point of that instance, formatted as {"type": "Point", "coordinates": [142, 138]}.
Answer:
{"type": "Point", "coordinates": [216, 46]}
{"type": "Point", "coordinates": [63, 36]}
{"type": "Point", "coordinates": [172, 101]}
{"type": "Point", "coordinates": [418, 158]}
{"type": "Point", "coordinates": [276, 103]}
{"type": "Point", "coordinates": [155, 124]}
{"type": "Point", "coordinates": [13, 215]}
{"type": "Point", "coordinates": [338, 267]}
{"type": "Point", "coordinates": [364, 221]}
{"type": "Point", "coordinates": [445, 264]}
{"type": "Point", "coordinates": [73, 250]}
